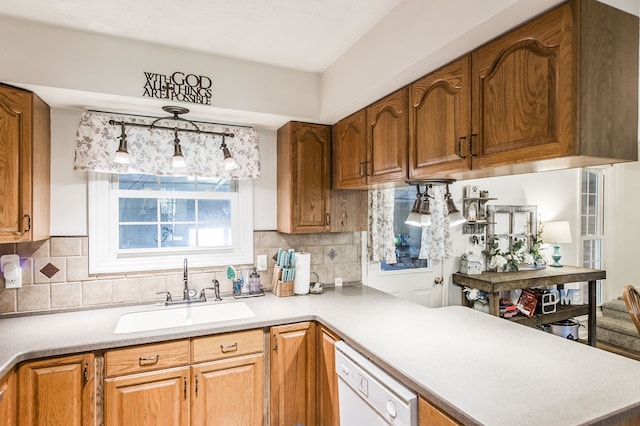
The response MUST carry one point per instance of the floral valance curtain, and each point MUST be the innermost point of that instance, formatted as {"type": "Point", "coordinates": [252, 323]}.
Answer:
{"type": "Point", "coordinates": [381, 245]}
{"type": "Point", "coordinates": [151, 150]}
{"type": "Point", "coordinates": [435, 243]}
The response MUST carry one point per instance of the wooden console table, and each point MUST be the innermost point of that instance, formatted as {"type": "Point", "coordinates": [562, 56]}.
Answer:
{"type": "Point", "coordinates": [495, 282]}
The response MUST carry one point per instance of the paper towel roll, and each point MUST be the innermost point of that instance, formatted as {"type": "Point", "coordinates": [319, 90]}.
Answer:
{"type": "Point", "coordinates": [302, 276]}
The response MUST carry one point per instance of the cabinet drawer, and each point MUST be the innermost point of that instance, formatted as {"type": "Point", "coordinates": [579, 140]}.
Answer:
{"type": "Point", "coordinates": [149, 357]}
{"type": "Point", "coordinates": [227, 345]}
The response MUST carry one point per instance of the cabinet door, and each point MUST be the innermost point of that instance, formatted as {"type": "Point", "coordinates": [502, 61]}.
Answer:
{"type": "Point", "coordinates": [429, 415]}
{"type": "Point", "coordinates": [228, 392]}
{"type": "Point", "coordinates": [387, 138]}
{"type": "Point", "coordinates": [304, 178]}
{"type": "Point", "coordinates": [57, 391]}
{"type": "Point", "coordinates": [159, 398]}
{"type": "Point", "coordinates": [439, 121]}
{"type": "Point", "coordinates": [328, 411]}
{"type": "Point", "coordinates": [293, 398]}
{"type": "Point", "coordinates": [24, 166]}
{"type": "Point", "coordinates": [522, 93]}
{"type": "Point", "coordinates": [8, 399]}
{"type": "Point", "coordinates": [350, 151]}
{"type": "Point", "coordinates": [15, 132]}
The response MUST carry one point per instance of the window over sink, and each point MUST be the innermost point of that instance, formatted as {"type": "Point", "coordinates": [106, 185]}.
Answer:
{"type": "Point", "coordinates": [144, 222]}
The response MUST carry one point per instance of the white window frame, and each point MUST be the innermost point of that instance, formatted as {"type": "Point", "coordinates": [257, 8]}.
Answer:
{"type": "Point", "coordinates": [104, 256]}
{"type": "Point", "coordinates": [600, 226]}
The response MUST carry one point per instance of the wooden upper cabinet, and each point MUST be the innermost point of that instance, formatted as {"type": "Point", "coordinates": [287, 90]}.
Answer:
{"type": "Point", "coordinates": [350, 151]}
{"type": "Point", "coordinates": [24, 166]}
{"type": "Point", "coordinates": [57, 391]}
{"type": "Point", "coordinates": [523, 93]}
{"type": "Point", "coordinates": [439, 121]}
{"type": "Point", "coordinates": [560, 91]}
{"type": "Point", "coordinates": [387, 139]}
{"type": "Point", "coordinates": [304, 179]}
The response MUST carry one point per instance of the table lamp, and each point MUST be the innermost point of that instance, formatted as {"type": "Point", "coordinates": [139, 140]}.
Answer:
{"type": "Point", "coordinates": [557, 232]}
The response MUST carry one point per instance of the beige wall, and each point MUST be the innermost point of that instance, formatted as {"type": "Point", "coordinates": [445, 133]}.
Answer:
{"type": "Point", "coordinates": [332, 255]}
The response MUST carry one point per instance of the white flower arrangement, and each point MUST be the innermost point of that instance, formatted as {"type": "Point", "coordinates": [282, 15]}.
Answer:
{"type": "Point", "coordinates": [507, 260]}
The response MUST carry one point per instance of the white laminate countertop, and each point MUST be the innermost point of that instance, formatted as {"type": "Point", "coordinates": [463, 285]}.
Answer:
{"type": "Point", "coordinates": [479, 368]}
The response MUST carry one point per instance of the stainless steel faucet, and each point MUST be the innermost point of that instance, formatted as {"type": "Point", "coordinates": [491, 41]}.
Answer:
{"type": "Point", "coordinates": [185, 278]}
{"type": "Point", "coordinates": [189, 297]}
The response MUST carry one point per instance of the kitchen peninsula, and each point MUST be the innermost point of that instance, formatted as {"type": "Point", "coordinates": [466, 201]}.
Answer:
{"type": "Point", "coordinates": [476, 367]}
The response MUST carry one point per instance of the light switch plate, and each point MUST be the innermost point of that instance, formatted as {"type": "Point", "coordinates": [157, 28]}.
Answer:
{"type": "Point", "coordinates": [261, 262]}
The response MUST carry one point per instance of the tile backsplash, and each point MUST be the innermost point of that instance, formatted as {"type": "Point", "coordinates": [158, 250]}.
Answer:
{"type": "Point", "coordinates": [55, 272]}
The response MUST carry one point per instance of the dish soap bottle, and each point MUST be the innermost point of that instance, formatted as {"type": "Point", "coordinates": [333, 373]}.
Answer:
{"type": "Point", "coordinates": [254, 282]}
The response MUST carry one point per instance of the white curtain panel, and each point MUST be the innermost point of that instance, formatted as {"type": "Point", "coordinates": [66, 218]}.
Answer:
{"type": "Point", "coordinates": [381, 245]}
{"type": "Point", "coordinates": [151, 150]}
{"type": "Point", "coordinates": [435, 243]}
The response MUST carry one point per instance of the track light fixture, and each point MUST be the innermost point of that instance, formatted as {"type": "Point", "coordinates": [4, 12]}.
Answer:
{"type": "Point", "coordinates": [420, 214]}
{"type": "Point", "coordinates": [178, 160]}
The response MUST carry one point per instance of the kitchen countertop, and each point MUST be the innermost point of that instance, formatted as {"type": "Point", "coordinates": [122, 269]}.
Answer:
{"type": "Point", "coordinates": [479, 368]}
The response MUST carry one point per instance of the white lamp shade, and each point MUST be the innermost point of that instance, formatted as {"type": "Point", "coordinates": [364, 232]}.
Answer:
{"type": "Point", "coordinates": [557, 232]}
{"type": "Point", "coordinates": [413, 219]}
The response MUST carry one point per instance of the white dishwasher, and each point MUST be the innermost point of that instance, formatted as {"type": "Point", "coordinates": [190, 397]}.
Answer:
{"type": "Point", "coordinates": [369, 396]}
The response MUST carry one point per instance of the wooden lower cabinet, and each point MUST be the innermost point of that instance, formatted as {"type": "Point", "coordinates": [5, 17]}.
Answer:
{"type": "Point", "coordinates": [204, 381]}
{"type": "Point", "coordinates": [8, 399]}
{"type": "Point", "coordinates": [154, 398]}
{"type": "Point", "coordinates": [57, 391]}
{"type": "Point", "coordinates": [328, 408]}
{"type": "Point", "coordinates": [293, 372]}
{"type": "Point", "coordinates": [228, 392]}
{"type": "Point", "coordinates": [430, 415]}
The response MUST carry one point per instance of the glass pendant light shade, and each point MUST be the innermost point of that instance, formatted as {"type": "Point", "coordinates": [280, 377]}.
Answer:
{"type": "Point", "coordinates": [414, 217]}
{"type": "Point", "coordinates": [177, 162]}
{"type": "Point", "coordinates": [455, 217]}
{"type": "Point", "coordinates": [121, 157]}
{"type": "Point", "coordinates": [229, 163]}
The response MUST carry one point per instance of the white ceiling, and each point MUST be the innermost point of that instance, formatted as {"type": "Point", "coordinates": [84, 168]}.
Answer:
{"type": "Point", "coordinates": [276, 32]}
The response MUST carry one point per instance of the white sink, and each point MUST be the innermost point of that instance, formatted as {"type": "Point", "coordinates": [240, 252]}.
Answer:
{"type": "Point", "coordinates": [181, 316]}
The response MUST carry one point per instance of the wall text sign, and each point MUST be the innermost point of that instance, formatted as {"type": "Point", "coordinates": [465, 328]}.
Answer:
{"type": "Point", "coordinates": [195, 89]}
